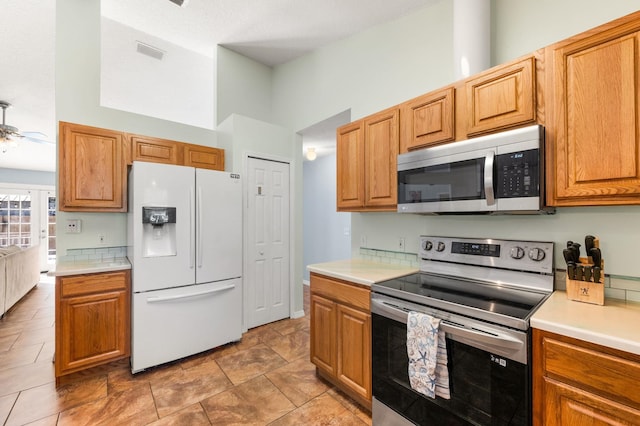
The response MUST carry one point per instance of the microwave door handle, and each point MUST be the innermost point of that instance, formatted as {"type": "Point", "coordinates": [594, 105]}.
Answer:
{"type": "Point", "coordinates": [488, 178]}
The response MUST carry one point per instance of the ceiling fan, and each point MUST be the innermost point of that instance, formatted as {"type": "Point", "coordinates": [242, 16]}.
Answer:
{"type": "Point", "coordinates": [9, 135]}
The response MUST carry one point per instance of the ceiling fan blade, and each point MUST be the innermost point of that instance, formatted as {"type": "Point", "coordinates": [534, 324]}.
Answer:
{"type": "Point", "coordinates": [37, 137]}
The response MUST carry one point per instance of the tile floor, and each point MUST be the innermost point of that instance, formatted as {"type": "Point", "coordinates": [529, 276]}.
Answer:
{"type": "Point", "coordinates": [266, 379]}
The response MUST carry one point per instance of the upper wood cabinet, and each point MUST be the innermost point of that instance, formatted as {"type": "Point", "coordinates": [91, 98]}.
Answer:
{"type": "Point", "coordinates": [381, 144]}
{"type": "Point", "coordinates": [91, 169]}
{"type": "Point", "coordinates": [427, 120]}
{"type": "Point", "coordinates": [502, 97]}
{"type": "Point", "coordinates": [155, 150]}
{"type": "Point", "coordinates": [350, 167]}
{"type": "Point", "coordinates": [595, 116]}
{"type": "Point", "coordinates": [580, 383]}
{"type": "Point", "coordinates": [367, 163]}
{"type": "Point", "coordinates": [203, 157]}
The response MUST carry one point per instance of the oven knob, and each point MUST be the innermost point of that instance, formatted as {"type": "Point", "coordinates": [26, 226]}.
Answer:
{"type": "Point", "coordinates": [427, 245]}
{"type": "Point", "coordinates": [517, 252]}
{"type": "Point", "coordinates": [440, 246]}
{"type": "Point", "coordinates": [536, 254]}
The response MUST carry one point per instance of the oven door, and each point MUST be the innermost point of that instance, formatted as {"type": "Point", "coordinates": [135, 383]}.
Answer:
{"type": "Point", "coordinates": [489, 375]}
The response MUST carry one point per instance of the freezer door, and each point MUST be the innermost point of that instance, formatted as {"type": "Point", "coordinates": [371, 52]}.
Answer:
{"type": "Point", "coordinates": [171, 324]}
{"type": "Point", "coordinates": [163, 256]}
{"type": "Point", "coordinates": [218, 225]}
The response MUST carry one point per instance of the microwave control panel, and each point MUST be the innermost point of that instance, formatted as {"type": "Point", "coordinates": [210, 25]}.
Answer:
{"type": "Point", "coordinates": [518, 174]}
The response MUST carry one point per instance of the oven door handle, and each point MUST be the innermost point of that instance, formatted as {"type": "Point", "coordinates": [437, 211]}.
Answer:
{"type": "Point", "coordinates": [481, 336]}
{"type": "Point", "coordinates": [496, 338]}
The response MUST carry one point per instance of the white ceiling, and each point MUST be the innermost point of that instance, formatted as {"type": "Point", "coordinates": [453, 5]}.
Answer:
{"type": "Point", "coordinates": [269, 31]}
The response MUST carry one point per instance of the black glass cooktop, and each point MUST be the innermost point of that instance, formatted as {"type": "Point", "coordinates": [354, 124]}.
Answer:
{"type": "Point", "coordinates": [441, 291]}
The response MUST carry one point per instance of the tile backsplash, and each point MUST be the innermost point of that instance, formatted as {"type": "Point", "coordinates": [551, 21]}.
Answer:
{"type": "Point", "coordinates": [616, 287]}
{"type": "Point", "coordinates": [392, 257]}
{"type": "Point", "coordinates": [102, 253]}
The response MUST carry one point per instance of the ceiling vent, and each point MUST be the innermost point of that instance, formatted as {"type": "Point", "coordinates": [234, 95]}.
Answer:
{"type": "Point", "coordinates": [149, 50]}
{"type": "Point", "coordinates": [181, 3]}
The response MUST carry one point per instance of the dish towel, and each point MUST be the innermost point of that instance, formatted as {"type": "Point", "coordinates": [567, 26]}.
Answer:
{"type": "Point", "coordinates": [427, 351]}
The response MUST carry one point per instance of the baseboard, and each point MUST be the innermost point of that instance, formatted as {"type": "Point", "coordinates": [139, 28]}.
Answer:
{"type": "Point", "coordinates": [297, 314]}
{"type": "Point", "coordinates": [305, 282]}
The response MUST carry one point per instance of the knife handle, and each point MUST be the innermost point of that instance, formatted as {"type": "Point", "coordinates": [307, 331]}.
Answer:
{"type": "Point", "coordinates": [571, 270]}
{"type": "Point", "coordinates": [596, 274]}
{"type": "Point", "coordinates": [579, 272]}
{"type": "Point", "coordinates": [587, 273]}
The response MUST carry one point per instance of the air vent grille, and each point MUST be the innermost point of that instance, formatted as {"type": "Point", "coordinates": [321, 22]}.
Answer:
{"type": "Point", "coordinates": [149, 50]}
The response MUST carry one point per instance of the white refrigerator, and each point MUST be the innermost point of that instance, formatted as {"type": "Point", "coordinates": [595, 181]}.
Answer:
{"type": "Point", "coordinates": [185, 248]}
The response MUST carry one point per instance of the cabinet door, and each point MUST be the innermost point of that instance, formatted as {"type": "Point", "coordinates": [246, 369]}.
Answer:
{"type": "Point", "coordinates": [501, 98]}
{"type": "Point", "coordinates": [203, 157]}
{"type": "Point", "coordinates": [323, 333]}
{"type": "Point", "coordinates": [91, 169]}
{"type": "Point", "coordinates": [354, 350]}
{"type": "Point", "coordinates": [427, 120]}
{"type": "Point", "coordinates": [350, 166]}
{"type": "Point", "coordinates": [156, 150]}
{"type": "Point", "coordinates": [596, 120]}
{"type": "Point", "coordinates": [567, 406]}
{"type": "Point", "coordinates": [381, 143]}
{"type": "Point", "coordinates": [92, 327]}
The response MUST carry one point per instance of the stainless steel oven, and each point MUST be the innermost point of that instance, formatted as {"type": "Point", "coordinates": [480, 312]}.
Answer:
{"type": "Point", "coordinates": [483, 291]}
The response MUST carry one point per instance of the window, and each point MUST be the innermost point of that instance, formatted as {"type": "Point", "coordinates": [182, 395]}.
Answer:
{"type": "Point", "coordinates": [15, 220]}
{"type": "Point", "coordinates": [51, 225]}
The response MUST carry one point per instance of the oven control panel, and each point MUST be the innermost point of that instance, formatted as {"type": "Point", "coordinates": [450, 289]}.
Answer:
{"type": "Point", "coordinates": [532, 256]}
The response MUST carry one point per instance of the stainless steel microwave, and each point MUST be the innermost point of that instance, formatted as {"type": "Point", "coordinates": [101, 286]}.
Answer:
{"type": "Point", "coordinates": [495, 174]}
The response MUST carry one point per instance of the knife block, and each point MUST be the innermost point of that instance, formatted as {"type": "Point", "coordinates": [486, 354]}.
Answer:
{"type": "Point", "coordinates": [585, 291]}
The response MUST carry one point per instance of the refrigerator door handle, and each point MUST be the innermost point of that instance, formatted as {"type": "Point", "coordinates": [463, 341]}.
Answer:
{"type": "Point", "coordinates": [188, 295]}
{"type": "Point", "coordinates": [192, 231]}
{"type": "Point", "coordinates": [200, 226]}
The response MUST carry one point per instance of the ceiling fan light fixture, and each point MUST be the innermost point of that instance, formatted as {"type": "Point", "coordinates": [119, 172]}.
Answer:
{"type": "Point", "coordinates": [9, 135]}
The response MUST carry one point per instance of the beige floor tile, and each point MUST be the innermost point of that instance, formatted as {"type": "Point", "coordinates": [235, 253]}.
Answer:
{"type": "Point", "coordinates": [185, 387]}
{"type": "Point", "coordinates": [26, 377]}
{"type": "Point", "coordinates": [121, 379]}
{"type": "Point", "coordinates": [323, 410]}
{"type": "Point", "coordinates": [213, 354]}
{"type": "Point", "coordinates": [44, 401]}
{"type": "Point", "coordinates": [291, 346]}
{"type": "Point", "coordinates": [132, 407]}
{"type": "Point", "coordinates": [352, 406]}
{"type": "Point", "coordinates": [256, 402]}
{"type": "Point", "coordinates": [193, 415]}
{"type": "Point", "coordinates": [19, 356]}
{"type": "Point", "coordinates": [298, 381]}
{"type": "Point", "coordinates": [39, 335]}
{"type": "Point", "coordinates": [249, 363]}
{"type": "Point", "coordinates": [289, 326]}
{"type": "Point", "coordinates": [47, 421]}
{"type": "Point", "coordinates": [6, 403]}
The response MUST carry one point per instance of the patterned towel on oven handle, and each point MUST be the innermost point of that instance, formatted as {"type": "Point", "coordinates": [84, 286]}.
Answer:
{"type": "Point", "coordinates": [427, 351]}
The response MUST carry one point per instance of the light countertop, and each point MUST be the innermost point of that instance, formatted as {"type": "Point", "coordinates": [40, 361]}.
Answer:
{"type": "Point", "coordinates": [89, 266]}
{"type": "Point", "coordinates": [616, 324]}
{"type": "Point", "coordinates": [360, 271]}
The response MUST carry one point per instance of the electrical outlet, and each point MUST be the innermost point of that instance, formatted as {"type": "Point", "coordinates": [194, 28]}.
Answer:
{"type": "Point", "coordinates": [101, 239]}
{"type": "Point", "coordinates": [74, 226]}
{"type": "Point", "coordinates": [401, 244]}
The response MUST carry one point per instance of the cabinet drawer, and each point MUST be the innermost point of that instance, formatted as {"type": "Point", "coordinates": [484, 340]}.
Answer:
{"type": "Point", "coordinates": [75, 285]}
{"type": "Point", "coordinates": [602, 374]}
{"type": "Point", "coordinates": [345, 293]}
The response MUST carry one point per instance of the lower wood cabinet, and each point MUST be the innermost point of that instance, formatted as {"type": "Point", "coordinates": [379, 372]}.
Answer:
{"type": "Point", "coordinates": [341, 335]}
{"type": "Point", "coordinates": [92, 320]}
{"type": "Point", "coordinates": [580, 383]}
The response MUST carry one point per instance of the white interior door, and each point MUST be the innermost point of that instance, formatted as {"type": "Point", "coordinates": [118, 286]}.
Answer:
{"type": "Point", "coordinates": [267, 276]}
